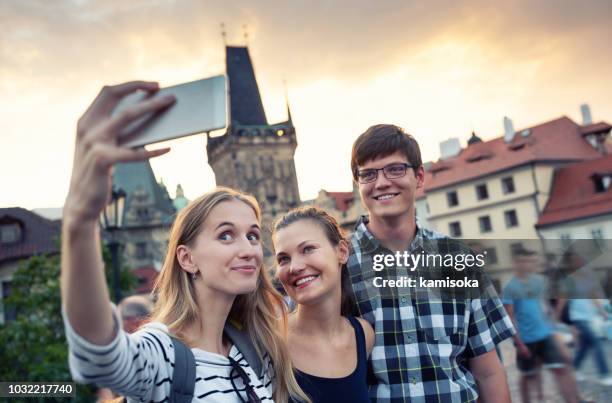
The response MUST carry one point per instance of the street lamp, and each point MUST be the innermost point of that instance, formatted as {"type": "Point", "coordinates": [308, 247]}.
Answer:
{"type": "Point", "coordinates": [112, 220]}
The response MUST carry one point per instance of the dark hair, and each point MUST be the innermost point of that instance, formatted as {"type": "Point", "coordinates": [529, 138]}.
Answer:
{"type": "Point", "coordinates": [334, 235]}
{"type": "Point", "coordinates": [383, 140]}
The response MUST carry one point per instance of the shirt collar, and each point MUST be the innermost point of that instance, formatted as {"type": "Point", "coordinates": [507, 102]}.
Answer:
{"type": "Point", "coordinates": [369, 243]}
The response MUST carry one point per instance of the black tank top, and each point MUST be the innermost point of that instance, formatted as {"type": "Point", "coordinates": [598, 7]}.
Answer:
{"type": "Point", "coordinates": [350, 389]}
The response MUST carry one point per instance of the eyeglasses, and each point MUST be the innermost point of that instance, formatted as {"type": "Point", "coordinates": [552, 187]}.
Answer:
{"type": "Point", "coordinates": [248, 388]}
{"type": "Point", "coordinates": [391, 171]}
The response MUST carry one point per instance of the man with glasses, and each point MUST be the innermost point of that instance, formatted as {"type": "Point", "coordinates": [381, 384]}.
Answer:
{"type": "Point", "coordinates": [425, 343]}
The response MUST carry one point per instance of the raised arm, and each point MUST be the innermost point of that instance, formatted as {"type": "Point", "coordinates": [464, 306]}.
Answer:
{"type": "Point", "coordinates": [84, 293]}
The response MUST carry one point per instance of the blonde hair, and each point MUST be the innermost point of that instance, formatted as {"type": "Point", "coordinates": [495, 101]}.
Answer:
{"type": "Point", "coordinates": [262, 313]}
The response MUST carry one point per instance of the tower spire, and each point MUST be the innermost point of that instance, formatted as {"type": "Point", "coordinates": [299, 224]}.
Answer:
{"type": "Point", "coordinates": [289, 118]}
{"type": "Point", "coordinates": [246, 107]}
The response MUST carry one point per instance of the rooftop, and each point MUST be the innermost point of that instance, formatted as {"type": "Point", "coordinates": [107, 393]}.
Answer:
{"type": "Point", "coordinates": [557, 140]}
{"type": "Point", "coordinates": [38, 234]}
{"type": "Point", "coordinates": [575, 195]}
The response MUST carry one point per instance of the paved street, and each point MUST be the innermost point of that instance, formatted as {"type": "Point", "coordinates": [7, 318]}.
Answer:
{"type": "Point", "coordinates": [590, 388]}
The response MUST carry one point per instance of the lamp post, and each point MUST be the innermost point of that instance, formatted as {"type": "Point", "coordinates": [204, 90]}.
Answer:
{"type": "Point", "coordinates": [112, 220]}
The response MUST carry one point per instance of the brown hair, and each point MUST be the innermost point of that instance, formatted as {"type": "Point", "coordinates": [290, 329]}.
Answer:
{"type": "Point", "coordinates": [383, 140]}
{"type": "Point", "coordinates": [334, 235]}
{"type": "Point", "coordinates": [262, 313]}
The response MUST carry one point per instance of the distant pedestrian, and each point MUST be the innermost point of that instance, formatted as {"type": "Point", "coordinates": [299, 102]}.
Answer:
{"type": "Point", "coordinates": [523, 298]}
{"type": "Point", "coordinates": [585, 298]}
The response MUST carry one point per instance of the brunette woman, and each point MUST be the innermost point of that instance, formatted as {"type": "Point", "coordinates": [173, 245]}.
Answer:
{"type": "Point", "coordinates": [328, 346]}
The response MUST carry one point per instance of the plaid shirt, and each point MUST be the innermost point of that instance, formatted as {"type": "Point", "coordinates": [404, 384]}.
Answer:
{"type": "Point", "coordinates": [423, 341]}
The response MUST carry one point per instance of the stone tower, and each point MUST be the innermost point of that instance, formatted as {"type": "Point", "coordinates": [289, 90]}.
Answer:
{"type": "Point", "coordinates": [253, 155]}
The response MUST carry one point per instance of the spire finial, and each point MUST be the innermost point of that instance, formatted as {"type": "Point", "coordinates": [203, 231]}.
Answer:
{"type": "Point", "coordinates": [223, 33]}
{"type": "Point", "coordinates": [246, 34]}
{"type": "Point", "coordinates": [289, 119]}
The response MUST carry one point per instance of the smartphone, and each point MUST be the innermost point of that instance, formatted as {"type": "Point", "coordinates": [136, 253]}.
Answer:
{"type": "Point", "coordinates": [201, 106]}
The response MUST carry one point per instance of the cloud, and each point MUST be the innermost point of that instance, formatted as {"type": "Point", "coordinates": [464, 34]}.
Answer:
{"type": "Point", "coordinates": [299, 39]}
{"type": "Point", "coordinates": [439, 68]}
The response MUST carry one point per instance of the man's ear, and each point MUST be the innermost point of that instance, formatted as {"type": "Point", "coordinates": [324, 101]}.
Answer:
{"type": "Point", "coordinates": [185, 259]}
{"type": "Point", "coordinates": [420, 176]}
{"type": "Point", "coordinates": [343, 251]}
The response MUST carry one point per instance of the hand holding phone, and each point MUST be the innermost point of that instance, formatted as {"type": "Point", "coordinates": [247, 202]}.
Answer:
{"type": "Point", "coordinates": [96, 150]}
{"type": "Point", "coordinates": [200, 106]}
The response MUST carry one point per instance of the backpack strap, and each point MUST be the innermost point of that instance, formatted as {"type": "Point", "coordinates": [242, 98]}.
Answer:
{"type": "Point", "coordinates": [183, 377]}
{"type": "Point", "coordinates": [243, 342]}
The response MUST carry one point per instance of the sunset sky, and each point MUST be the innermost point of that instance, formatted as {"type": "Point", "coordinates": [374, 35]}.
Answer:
{"type": "Point", "coordinates": [440, 69]}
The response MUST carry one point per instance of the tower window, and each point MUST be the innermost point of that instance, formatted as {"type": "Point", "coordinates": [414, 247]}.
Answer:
{"type": "Point", "coordinates": [511, 218]}
{"type": "Point", "coordinates": [482, 192]}
{"type": "Point", "coordinates": [455, 228]}
{"type": "Point", "coordinates": [485, 224]}
{"type": "Point", "coordinates": [452, 199]}
{"type": "Point", "coordinates": [507, 185]}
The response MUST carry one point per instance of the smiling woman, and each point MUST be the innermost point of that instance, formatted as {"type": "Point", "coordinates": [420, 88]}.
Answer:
{"type": "Point", "coordinates": [212, 274]}
{"type": "Point", "coordinates": [311, 253]}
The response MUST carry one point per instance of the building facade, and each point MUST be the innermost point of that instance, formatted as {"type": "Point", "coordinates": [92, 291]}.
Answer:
{"type": "Point", "coordinates": [148, 215]}
{"type": "Point", "coordinates": [498, 189]}
{"type": "Point", "coordinates": [497, 193]}
{"type": "Point", "coordinates": [580, 205]}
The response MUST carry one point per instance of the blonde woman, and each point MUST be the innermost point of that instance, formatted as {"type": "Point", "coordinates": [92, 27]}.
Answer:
{"type": "Point", "coordinates": [212, 273]}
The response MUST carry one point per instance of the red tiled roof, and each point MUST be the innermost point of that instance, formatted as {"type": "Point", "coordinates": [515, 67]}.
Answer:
{"type": "Point", "coordinates": [38, 234]}
{"type": "Point", "coordinates": [557, 140]}
{"type": "Point", "coordinates": [573, 194]}
{"type": "Point", "coordinates": [600, 127]}
{"type": "Point", "coordinates": [343, 200]}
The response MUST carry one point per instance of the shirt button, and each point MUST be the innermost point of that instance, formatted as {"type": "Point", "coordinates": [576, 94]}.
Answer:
{"type": "Point", "coordinates": [404, 300]}
{"type": "Point", "coordinates": [414, 381]}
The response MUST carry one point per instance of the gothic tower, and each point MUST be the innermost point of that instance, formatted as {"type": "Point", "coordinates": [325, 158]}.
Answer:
{"type": "Point", "coordinates": [253, 155]}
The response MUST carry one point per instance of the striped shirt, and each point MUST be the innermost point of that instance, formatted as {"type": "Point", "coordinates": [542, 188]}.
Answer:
{"type": "Point", "coordinates": [140, 367]}
{"type": "Point", "coordinates": [423, 339]}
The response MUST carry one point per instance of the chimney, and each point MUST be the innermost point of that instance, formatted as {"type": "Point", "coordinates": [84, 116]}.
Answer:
{"type": "Point", "coordinates": [449, 148]}
{"type": "Point", "coordinates": [585, 109]}
{"type": "Point", "coordinates": [508, 129]}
